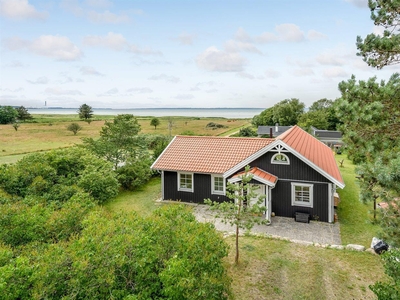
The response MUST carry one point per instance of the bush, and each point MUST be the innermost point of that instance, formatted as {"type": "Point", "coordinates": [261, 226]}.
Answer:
{"type": "Point", "coordinates": [213, 125]}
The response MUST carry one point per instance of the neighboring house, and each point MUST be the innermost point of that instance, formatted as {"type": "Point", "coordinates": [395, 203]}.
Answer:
{"type": "Point", "coordinates": [295, 171]}
{"type": "Point", "coordinates": [272, 131]}
{"type": "Point", "coordinates": [328, 137]}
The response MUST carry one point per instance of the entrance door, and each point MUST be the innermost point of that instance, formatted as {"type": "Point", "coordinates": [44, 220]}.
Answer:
{"type": "Point", "coordinates": [261, 190]}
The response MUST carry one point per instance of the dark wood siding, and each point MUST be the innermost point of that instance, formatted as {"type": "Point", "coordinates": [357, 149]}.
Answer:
{"type": "Point", "coordinates": [297, 170]}
{"type": "Point", "coordinates": [201, 191]}
{"type": "Point", "coordinates": [282, 201]}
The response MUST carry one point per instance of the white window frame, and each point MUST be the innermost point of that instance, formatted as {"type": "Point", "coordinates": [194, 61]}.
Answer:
{"type": "Point", "coordinates": [185, 189]}
{"type": "Point", "coordinates": [280, 162]}
{"type": "Point", "coordinates": [213, 190]}
{"type": "Point", "coordinates": [302, 203]}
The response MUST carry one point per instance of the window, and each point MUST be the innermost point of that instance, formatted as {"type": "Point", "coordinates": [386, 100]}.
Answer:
{"type": "Point", "coordinates": [302, 194]}
{"type": "Point", "coordinates": [218, 185]}
{"type": "Point", "coordinates": [280, 158]}
{"type": "Point", "coordinates": [185, 182]}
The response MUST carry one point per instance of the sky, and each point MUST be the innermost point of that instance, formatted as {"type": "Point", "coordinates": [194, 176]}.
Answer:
{"type": "Point", "coordinates": [170, 53]}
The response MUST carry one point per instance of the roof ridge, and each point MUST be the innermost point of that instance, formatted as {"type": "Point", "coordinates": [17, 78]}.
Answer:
{"type": "Point", "coordinates": [223, 137]}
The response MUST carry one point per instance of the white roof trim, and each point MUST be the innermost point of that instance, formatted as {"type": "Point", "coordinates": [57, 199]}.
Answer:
{"type": "Point", "coordinates": [151, 167]}
{"type": "Point", "coordinates": [262, 180]}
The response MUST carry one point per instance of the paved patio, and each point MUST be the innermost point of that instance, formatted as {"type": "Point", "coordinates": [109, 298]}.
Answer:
{"type": "Point", "coordinates": [315, 232]}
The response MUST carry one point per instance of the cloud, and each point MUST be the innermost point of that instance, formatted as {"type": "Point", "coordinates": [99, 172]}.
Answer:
{"type": "Point", "coordinates": [184, 97]}
{"type": "Point", "coordinates": [242, 35]}
{"type": "Point", "coordinates": [330, 59]}
{"type": "Point", "coordinates": [266, 37]}
{"type": "Point", "coordinates": [290, 32]}
{"type": "Point", "coordinates": [60, 92]}
{"type": "Point", "coordinates": [313, 35]}
{"type": "Point", "coordinates": [186, 38]}
{"type": "Point", "coordinates": [359, 3]}
{"type": "Point", "coordinates": [90, 71]}
{"type": "Point", "coordinates": [167, 78]}
{"type": "Point", "coordinates": [335, 72]}
{"type": "Point", "coordinates": [140, 90]}
{"type": "Point", "coordinates": [200, 85]}
{"type": "Point", "coordinates": [12, 91]}
{"type": "Point", "coordinates": [145, 51]}
{"type": "Point", "coordinates": [107, 17]}
{"type": "Point", "coordinates": [115, 41]}
{"type": "Point", "coordinates": [40, 80]}
{"type": "Point", "coordinates": [211, 91]}
{"type": "Point", "coordinates": [15, 64]}
{"type": "Point", "coordinates": [271, 73]}
{"type": "Point", "coordinates": [72, 6]}
{"type": "Point", "coordinates": [245, 75]}
{"type": "Point", "coordinates": [20, 10]}
{"type": "Point", "coordinates": [54, 46]}
{"type": "Point", "coordinates": [99, 3]}
{"type": "Point", "coordinates": [238, 46]}
{"type": "Point", "coordinates": [216, 60]}
{"type": "Point", "coordinates": [112, 91]}
{"type": "Point", "coordinates": [303, 72]}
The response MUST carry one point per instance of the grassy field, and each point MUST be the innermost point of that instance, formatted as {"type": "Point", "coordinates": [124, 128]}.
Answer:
{"type": "Point", "coordinates": [356, 226]}
{"type": "Point", "coordinates": [50, 132]}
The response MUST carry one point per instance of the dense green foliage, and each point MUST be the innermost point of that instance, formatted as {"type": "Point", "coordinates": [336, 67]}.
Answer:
{"type": "Point", "coordinates": [123, 256]}
{"type": "Point", "coordinates": [8, 114]}
{"type": "Point", "coordinates": [240, 212]}
{"type": "Point", "coordinates": [23, 114]}
{"type": "Point", "coordinates": [379, 51]}
{"type": "Point", "coordinates": [391, 290]}
{"type": "Point", "coordinates": [247, 132]}
{"type": "Point", "coordinates": [321, 115]}
{"type": "Point", "coordinates": [85, 113]}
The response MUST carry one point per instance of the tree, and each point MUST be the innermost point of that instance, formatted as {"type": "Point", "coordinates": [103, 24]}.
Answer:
{"type": "Point", "coordinates": [370, 112]}
{"type": "Point", "coordinates": [318, 119]}
{"type": "Point", "coordinates": [16, 126]}
{"type": "Point", "coordinates": [321, 105]}
{"type": "Point", "coordinates": [288, 111]}
{"type": "Point", "coordinates": [74, 127]}
{"type": "Point", "coordinates": [118, 139]}
{"type": "Point", "coordinates": [247, 132]}
{"type": "Point", "coordinates": [155, 122]}
{"type": "Point", "coordinates": [85, 113]}
{"type": "Point", "coordinates": [379, 51]}
{"type": "Point", "coordinates": [23, 114]}
{"type": "Point", "coordinates": [239, 212]}
{"type": "Point", "coordinates": [265, 118]}
{"type": "Point", "coordinates": [8, 114]}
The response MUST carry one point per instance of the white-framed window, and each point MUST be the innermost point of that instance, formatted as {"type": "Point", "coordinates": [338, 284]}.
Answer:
{"type": "Point", "coordinates": [217, 185]}
{"type": "Point", "coordinates": [280, 158]}
{"type": "Point", "coordinates": [185, 182]}
{"type": "Point", "coordinates": [302, 194]}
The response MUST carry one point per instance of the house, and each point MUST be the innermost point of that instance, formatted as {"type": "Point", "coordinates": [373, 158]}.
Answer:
{"type": "Point", "coordinates": [295, 171]}
{"type": "Point", "coordinates": [328, 137]}
{"type": "Point", "coordinates": [271, 131]}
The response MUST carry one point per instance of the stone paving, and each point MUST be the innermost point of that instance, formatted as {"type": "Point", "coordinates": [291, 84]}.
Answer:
{"type": "Point", "coordinates": [315, 232]}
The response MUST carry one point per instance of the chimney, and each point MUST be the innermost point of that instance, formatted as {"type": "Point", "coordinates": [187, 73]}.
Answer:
{"type": "Point", "coordinates": [270, 133]}
{"type": "Point", "coordinates": [276, 127]}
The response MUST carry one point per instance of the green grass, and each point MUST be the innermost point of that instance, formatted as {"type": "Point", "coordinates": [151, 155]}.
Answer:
{"type": "Point", "coordinates": [141, 200]}
{"type": "Point", "coordinates": [354, 216]}
{"type": "Point", "coordinates": [275, 269]}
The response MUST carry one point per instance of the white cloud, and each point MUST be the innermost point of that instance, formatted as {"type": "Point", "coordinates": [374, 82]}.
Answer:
{"type": "Point", "coordinates": [245, 75]}
{"type": "Point", "coordinates": [140, 90]}
{"type": "Point", "coordinates": [20, 9]}
{"type": "Point", "coordinates": [335, 72]}
{"type": "Point", "coordinates": [358, 3]}
{"type": "Point", "coordinates": [186, 38]}
{"type": "Point", "coordinates": [13, 91]}
{"type": "Point", "coordinates": [15, 64]}
{"type": "Point", "coordinates": [115, 41]}
{"type": "Point", "coordinates": [237, 46]}
{"type": "Point", "coordinates": [72, 6]}
{"type": "Point", "coordinates": [378, 30]}
{"type": "Point", "coordinates": [184, 96]}
{"type": "Point", "coordinates": [303, 72]}
{"type": "Point", "coordinates": [242, 35]}
{"type": "Point", "coordinates": [90, 71]}
{"type": "Point", "coordinates": [213, 59]}
{"type": "Point", "coordinates": [55, 46]}
{"type": "Point", "coordinates": [107, 17]}
{"type": "Point", "coordinates": [59, 92]}
{"type": "Point", "coordinates": [211, 91]}
{"type": "Point", "coordinates": [313, 35]}
{"type": "Point", "coordinates": [290, 32]}
{"type": "Point", "coordinates": [271, 73]}
{"type": "Point", "coordinates": [330, 59]}
{"type": "Point", "coordinates": [113, 91]}
{"type": "Point", "coordinates": [40, 80]}
{"type": "Point", "coordinates": [99, 3]}
{"type": "Point", "coordinates": [145, 51]}
{"type": "Point", "coordinates": [266, 37]}
{"type": "Point", "coordinates": [165, 77]}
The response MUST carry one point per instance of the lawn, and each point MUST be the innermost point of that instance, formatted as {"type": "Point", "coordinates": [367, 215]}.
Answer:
{"type": "Point", "coordinates": [356, 225]}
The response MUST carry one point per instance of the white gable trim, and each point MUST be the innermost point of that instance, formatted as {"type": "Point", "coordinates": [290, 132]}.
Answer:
{"type": "Point", "coordinates": [262, 180]}
{"type": "Point", "coordinates": [170, 143]}
{"type": "Point", "coordinates": [266, 149]}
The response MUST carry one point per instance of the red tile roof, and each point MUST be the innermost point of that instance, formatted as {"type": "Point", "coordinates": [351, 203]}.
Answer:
{"type": "Point", "coordinates": [205, 154]}
{"type": "Point", "coordinates": [314, 150]}
{"type": "Point", "coordinates": [261, 174]}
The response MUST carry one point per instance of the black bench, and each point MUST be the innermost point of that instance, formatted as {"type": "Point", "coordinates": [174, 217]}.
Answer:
{"type": "Point", "coordinates": [302, 217]}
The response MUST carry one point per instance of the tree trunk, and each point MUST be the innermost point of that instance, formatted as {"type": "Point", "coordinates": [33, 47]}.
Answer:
{"type": "Point", "coordinates": [237, 244]}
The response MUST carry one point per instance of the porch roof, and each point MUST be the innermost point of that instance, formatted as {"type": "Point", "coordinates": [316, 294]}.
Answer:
{"type": "Point", "coordinates": [258, 174]}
